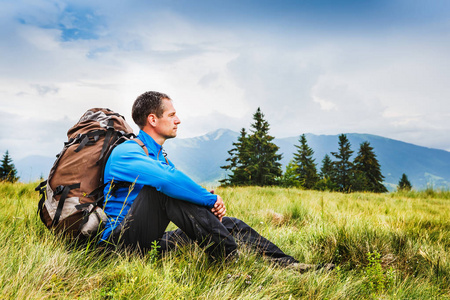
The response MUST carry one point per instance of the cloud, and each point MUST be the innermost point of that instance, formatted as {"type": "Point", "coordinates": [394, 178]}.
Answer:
{"type": "Point", "coordinates": [24, 136]}
{"type": "Point", "coordinates": [44, 90]}
{"type": "Point", "coordinates": [383, 75]}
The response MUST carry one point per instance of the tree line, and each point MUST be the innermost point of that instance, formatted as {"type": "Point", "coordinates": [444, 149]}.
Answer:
{"type": "Point", "coordinates": [253, 160]}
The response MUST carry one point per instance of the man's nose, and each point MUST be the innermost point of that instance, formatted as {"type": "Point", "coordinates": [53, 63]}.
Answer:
{"type": "Point", "coordinates": [177, 120]}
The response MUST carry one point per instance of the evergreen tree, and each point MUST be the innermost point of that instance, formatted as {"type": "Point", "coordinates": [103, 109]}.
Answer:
{"type": "Point", "coordinates": [238, 162]}
{"type": "Point", "coordinates": [358, 181]}
{"type": "Point", "coordinates": [8, 171]}
{"type": "Point", "coordinates": [326, 182]}
{"type": "Point", "coordinates": [343, 167]}
{"type": "Point", "coordinates": [290, 176]}
{"type": "Point", "coordinates": [264, 166]}
{"type": "Point", "coordinates": [404, 184]}
{"type": "Point", "coordinates": [367, 171]}
{"type": "Point", "coordinates": [327, 167]}
{"type": "Point", "coordinates": [306, 167]}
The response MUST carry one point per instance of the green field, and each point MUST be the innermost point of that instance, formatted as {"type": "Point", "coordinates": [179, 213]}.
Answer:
{"type": "Point", "coordinates": [385, 246]}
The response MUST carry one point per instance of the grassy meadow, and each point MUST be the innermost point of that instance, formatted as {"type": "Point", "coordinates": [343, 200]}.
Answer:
{"type": "Point", "coordinates": [385, 246]}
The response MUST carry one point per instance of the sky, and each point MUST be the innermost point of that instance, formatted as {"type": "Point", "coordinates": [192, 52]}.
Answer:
{"type": "Point", "coordinates": [312, 66]}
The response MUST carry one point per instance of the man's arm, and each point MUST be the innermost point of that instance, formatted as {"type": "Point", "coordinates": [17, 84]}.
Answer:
{"type": "Point", "coordinates": [130, 164]}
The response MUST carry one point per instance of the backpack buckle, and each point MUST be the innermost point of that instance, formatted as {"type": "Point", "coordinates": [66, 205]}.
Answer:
{"type": "Point", "coordinates": [110, 125]}
{"type": "Point", "coordinates": [59, 189]}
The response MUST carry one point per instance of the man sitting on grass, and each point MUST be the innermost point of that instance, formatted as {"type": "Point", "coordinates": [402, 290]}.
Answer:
{"type": "Point", "coordinates": [161, 194]}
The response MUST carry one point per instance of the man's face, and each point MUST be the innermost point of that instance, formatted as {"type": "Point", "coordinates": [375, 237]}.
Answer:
{"type": "Point", "coordinates": [166, 126]}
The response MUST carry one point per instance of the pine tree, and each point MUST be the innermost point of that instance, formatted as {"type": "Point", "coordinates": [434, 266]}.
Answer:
{"type": "Point", "coordinates": [367, 171]}
{"type": "Point", "coordinates": [404, 184]}
{"type": "Point", "coordinates": [254, 159]}
{"type": "Point", "coordinates": [327, 167]}
{"type": "Point", "coordinates": [290, 176]}
{"type": "Point", "coordinates": [343, 166]}
{"type": "Point", "coordinates": [359, 181]}
{"type": "Point", "coordinates": [306, 167]}
{"type": "Point", "coordinates": [238, 162]}
{"type": "Point", "coordinates": [8, 171]}
{"type": "Point", "coordinates": [327, 175]}
{"type": "Point", "coordinates": [264, 165]}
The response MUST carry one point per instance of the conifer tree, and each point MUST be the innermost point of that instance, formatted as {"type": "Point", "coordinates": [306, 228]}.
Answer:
{"type": "Point", "coordinates": [254, 159]}
{"type": "Point", "coordinates": [404, 184]}
{"type": "Point", "coordinates": [367, 170]}
{"type": "Point", "coordinates": [8, 171]}
{"type": "Point", "coordinates": [306, 167]}
{"type": "Point", "coordinates": [343, 167]}
{"type": "Point", "coordinates": [326, 182]}
{"type": "Point", "coordinates": [238, 162]}
{"type": "Point", "coordinates": [264, 166]}
{"type": "Point", "coordinates": [326, 170]}
{"type": "Point", "coordinates": [290, 176]}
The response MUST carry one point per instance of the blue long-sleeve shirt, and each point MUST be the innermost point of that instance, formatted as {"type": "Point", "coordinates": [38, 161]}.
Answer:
{"type": "Point", "coordinates": [129, 163]}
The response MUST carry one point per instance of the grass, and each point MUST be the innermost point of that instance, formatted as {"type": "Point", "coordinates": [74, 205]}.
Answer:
{"type": "Point", "coordinates": [386, 246]}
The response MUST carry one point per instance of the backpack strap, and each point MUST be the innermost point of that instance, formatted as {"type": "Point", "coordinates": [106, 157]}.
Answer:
{"type": "Point", "coordinates": [98, 194]}
{"type": "Point", "coordinates": [41, 189]}
{"type": "Point", "coordinates": [84, 139]}
{"type": "Point", "coordinates": [64, 191]}
{"type": "Point", "coordinates": [140, 143]}
{"type": "Point", "coordinates": [110, 138]}
{"type": "Point", "coordinates": [109, 134]}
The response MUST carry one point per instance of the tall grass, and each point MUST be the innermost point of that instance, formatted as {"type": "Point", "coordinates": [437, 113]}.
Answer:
{"type": "Point", "coordinates": [388, 246]}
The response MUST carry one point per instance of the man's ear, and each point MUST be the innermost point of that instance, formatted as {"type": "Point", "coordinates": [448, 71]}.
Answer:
{"type": "Point", "coordinates": [151, 120]}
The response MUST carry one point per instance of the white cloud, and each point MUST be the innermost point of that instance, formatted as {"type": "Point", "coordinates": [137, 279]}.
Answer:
{"type": "Point", "coordinates": [393, 83]}
{"type": "Point", "coordinates": [24, 136]}
{"type": "Point", "coordinates": [43, 90]}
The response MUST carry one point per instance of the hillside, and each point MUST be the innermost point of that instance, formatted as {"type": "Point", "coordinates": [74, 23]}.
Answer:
{"type": "Point", "coordinates": [389, 246]}
{"type": "Point", "coordinates": [201, 157]}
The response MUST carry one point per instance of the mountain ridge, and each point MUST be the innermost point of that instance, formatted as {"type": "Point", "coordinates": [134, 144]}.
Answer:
{"type": "Point", "coordinates": [200, 157]}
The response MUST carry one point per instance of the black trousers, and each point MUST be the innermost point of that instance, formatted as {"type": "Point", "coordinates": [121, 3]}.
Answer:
{"type": "Point", "coordinates": [152, 211]}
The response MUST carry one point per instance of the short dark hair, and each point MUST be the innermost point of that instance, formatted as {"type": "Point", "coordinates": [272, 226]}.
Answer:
{"type": "Point", "coordinates": [148, 103]}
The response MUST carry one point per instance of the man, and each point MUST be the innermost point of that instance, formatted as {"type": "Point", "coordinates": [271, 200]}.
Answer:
{"type": "Point", "coordinates": [160, 193]}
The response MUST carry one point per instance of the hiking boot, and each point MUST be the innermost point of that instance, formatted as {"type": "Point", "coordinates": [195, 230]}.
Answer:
{"type": "Point", "coordinates": [326, 267]}
{"type": "Point", "coordinates": [302, 268]}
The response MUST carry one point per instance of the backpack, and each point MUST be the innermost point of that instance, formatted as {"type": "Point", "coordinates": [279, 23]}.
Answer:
{"type": "Point", "coordinates": [72, 196]}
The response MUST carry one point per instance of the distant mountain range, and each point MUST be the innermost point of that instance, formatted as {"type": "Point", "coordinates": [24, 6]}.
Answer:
{"type": "Point", "coordinates": [201, 157]}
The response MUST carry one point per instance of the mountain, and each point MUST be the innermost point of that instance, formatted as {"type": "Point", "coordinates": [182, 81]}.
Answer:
{"type": "Point", "coordinates": [33, 167]}
{"type": "Point", "coordinates": [201, 157]}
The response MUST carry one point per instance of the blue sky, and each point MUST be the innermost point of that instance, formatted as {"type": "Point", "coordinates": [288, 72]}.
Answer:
{"type": "Point", "coordinates": [322, 67]}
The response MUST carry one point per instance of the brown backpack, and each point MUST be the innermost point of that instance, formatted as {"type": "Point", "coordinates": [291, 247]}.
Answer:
{"type": "Point", "coordinates": [72, 196]}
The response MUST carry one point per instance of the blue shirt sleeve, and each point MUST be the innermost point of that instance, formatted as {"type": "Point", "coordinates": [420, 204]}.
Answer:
{"type": "Point", "coordinates": [128, 162]}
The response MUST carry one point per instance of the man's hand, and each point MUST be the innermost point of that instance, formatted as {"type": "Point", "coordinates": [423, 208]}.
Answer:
{"type": "Point", "coordinates": [219, 209]}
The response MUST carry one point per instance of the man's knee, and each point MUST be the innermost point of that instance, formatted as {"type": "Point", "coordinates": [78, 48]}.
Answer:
{"type": "Point", "coordinates": [233, 224]}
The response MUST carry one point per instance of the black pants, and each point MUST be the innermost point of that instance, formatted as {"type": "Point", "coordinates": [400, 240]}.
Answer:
{"type": "Point", "coordinates": [152, 211]}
